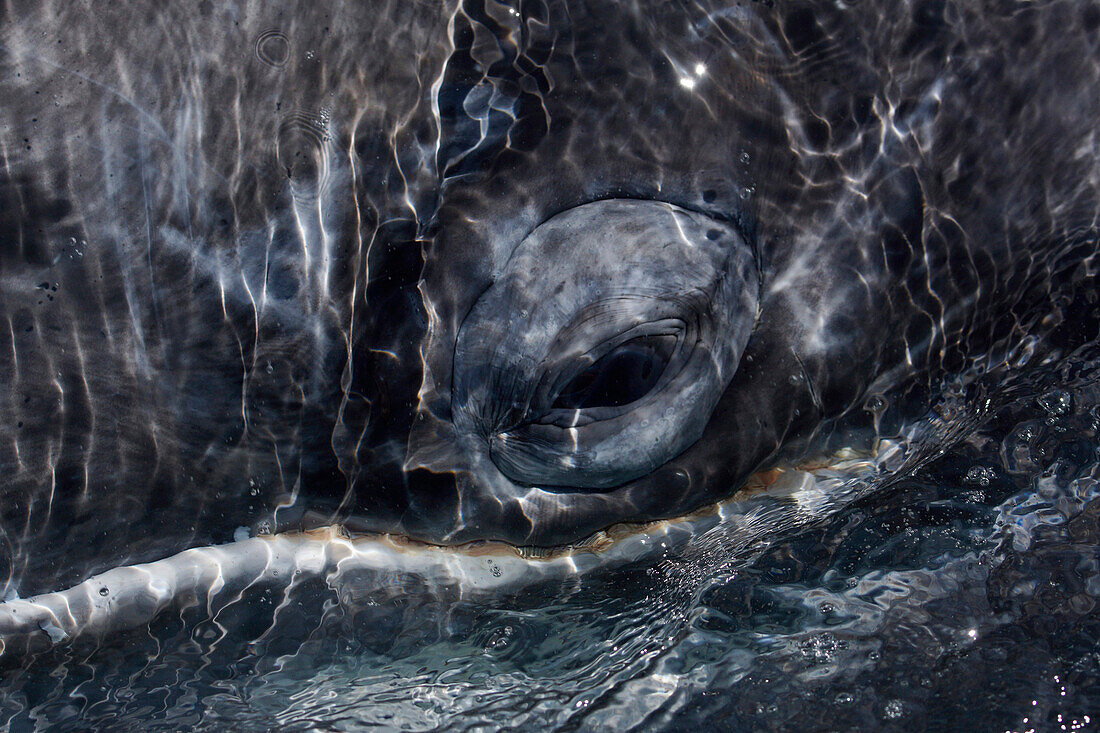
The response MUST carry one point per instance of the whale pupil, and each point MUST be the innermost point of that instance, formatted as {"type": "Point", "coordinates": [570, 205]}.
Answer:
{"type": "Point", "coordinates": [624, 375]}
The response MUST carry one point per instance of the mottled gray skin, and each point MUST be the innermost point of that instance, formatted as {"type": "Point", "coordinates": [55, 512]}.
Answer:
{"type": "Point", "coordinates": [357, 277]}
{"type": "Point", "coordinates": [852, 150]}
{"type": "Point", "coordinates": [575, 290]}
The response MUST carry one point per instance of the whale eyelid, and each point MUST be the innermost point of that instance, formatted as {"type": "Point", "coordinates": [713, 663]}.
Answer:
{"type": "Point", "coordinates": [554, 378]}
{"type": "Point", "coordinates": [631, 391]}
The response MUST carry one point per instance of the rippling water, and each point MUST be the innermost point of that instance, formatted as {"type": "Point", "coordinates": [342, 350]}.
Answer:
{"type": "Point", "coordinates": [956, 590]}
{"type": "Point", "coordinates": [960, 592]}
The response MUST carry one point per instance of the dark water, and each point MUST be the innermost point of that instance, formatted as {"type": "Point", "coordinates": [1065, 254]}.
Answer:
{"type": "Point", "coordinates": [957, 590]}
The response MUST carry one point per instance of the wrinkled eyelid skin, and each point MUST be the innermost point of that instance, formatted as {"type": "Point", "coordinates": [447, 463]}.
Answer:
{"type": "Point", "coordinates": [591, 279]}
{"type": "Point", "coordinates": [620, 377]}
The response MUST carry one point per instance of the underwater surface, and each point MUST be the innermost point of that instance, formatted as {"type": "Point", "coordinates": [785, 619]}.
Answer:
{"type": "Point", "coordinates": [241, 247]}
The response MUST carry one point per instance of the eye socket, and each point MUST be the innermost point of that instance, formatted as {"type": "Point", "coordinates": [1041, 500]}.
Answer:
{"type": "Point", "coordinates": [625, 374]}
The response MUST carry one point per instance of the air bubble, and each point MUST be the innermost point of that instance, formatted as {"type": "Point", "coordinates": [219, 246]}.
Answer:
{"type": "Point", "coordinates": [979, 476]}
{"type": "Point", "coordinates": [1056, 403]}
{"type": "Point", "coordinates": [499, 640]}
{"type": "Point", "coordinates": [273, 48]}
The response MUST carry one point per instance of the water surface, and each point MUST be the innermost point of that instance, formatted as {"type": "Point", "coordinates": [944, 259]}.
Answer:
{"type": "Point", "coordinates": [956, 590]}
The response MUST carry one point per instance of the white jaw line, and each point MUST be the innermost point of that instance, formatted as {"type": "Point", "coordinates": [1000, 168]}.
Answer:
{"type": "Point", "coordinates": [132, 596]}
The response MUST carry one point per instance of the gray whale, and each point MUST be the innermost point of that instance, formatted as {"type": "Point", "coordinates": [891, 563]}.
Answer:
{"type": "Point", "coordinates": [471, 272]}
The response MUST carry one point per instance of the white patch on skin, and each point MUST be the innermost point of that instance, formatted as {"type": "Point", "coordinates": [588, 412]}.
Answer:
{"type": "Point", "coordinates": [55, 632]}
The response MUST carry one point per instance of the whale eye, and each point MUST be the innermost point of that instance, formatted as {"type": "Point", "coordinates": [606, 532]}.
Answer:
{"type": "Point", "coordinates": [635, 319]}
{"type": "Point", "coordinates": [624, 375]}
